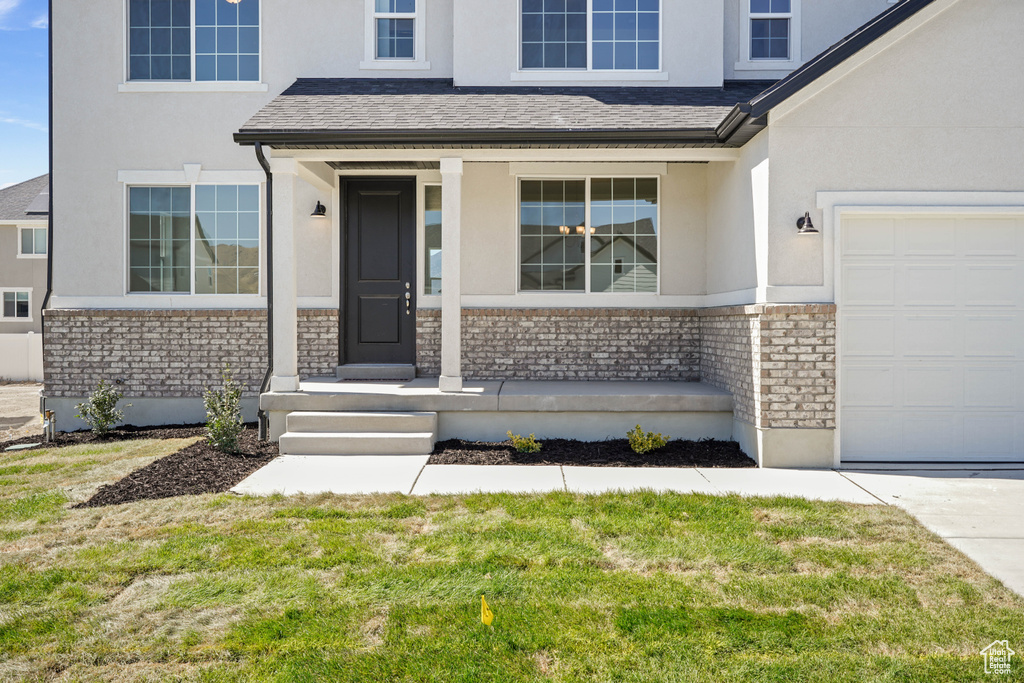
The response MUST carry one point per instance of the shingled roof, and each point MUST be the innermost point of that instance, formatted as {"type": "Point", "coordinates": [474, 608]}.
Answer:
{"type": "Point", "coordinates": [424, 109]}
{"type": "Point", "coordinates": [21, 201]}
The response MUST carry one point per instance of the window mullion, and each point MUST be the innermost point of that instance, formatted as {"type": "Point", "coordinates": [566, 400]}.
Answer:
{"type": "Point", "coordinates": [586, 233]}
{"type": "Point", "coordinates": [590, 56]}
{"type": "Point", "coordinates": [192, 47]}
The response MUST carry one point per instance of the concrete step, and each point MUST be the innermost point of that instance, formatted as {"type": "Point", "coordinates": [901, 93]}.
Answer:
{"type": "Point", "coordinates": [376, 371]}
{"type": "Point", "coordinates": [356, 422]}
{"type": "Point", "coordinates": [365, 443]}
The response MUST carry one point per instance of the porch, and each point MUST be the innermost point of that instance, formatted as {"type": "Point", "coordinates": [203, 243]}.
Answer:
{"type": "Point", "coordinates": [328, 416]}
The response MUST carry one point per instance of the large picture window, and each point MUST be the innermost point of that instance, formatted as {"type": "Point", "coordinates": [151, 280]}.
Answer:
{"type": "Point", "coordinates": [607, 35]}
{"type": "Point", "coordinates": [205, 241]}
{"type": "Point", "coordinates": [227, 40]}
{"type": "Point", "coordinates": [596, 235]}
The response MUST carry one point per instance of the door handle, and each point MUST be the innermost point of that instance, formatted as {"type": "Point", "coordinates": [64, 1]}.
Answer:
{"type": "Point", "coordinates": [408, 303]}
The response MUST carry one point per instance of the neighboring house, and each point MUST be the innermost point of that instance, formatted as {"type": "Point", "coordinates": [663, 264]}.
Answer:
{"type": "Point", "coordinates": [610, 191]}
{"type": "Point", "coordinates": [24, 209]}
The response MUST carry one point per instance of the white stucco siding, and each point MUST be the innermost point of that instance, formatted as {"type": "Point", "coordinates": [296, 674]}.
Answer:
{"type": "Point", "coordinates": [941, 109]}
{"type": "Point", "coordinates": [731, 238]}
{"type": "Point", "coordinates": [487, 45]}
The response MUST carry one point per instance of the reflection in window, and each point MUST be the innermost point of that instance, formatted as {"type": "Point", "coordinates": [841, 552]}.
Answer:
{"type": "Point", "coordinates": [227, 239]}
{"type": "Point", "coordinates": [552, 226]}
{"type": "Point", "coordinates": [227, 40]}
{"type": "Point", "coordinates": [158, 233]}
{"type": "Point", "coordinates": [432, 239]}
{"type": "Point", "coordinates": [624, 245]}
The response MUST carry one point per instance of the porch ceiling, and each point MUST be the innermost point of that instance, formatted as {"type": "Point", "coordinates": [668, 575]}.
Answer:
{"type": "Point", "coordinates": [385, 165]}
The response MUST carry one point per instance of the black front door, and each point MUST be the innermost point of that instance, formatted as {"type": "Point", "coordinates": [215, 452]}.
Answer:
{"type": "Point", "coordinates": [379, 278]}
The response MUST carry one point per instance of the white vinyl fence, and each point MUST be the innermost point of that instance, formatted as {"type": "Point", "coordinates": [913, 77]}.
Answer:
{"type": "Point", "coordinates": [21, 357]}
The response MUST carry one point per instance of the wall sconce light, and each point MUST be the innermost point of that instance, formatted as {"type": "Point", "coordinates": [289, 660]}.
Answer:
{"type": "Point", "coordinates": [320, 211]}
{"type": "Point", "coordinates": [805, 226]}
{"type": "Point", "coordinates": [580, 229]}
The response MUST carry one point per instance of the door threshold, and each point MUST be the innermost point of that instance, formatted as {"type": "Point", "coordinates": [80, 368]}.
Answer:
{"type": "Point", "coordinates": [376, 371]}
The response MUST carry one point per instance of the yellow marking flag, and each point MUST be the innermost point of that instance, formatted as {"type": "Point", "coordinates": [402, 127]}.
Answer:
{"type": "Point", "coordinates": [486, 615]}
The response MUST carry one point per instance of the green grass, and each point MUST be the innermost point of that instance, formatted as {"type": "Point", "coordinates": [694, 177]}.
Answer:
{"type": "Point", "coordinates": [618, 587]}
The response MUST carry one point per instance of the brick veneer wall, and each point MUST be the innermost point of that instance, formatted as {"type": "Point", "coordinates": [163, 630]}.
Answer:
{"type": "Point", "coordinates": [568, 344]}
{"type": "Point", "coordinates": [777, 360]}
{"type": "Point", "coordinates": [173, 353]}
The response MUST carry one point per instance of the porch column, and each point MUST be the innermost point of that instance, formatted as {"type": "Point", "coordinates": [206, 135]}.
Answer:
{"type": "Point", "coordinates": [286, 315]}
{"type": "Point", "coordinates": [451, 271]}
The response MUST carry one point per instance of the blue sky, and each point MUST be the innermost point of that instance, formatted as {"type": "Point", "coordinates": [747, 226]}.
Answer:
{"type": "Point", "coordinates": [23, 90]}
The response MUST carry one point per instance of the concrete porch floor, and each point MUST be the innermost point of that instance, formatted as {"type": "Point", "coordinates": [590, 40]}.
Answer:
{"type": "Point", "coordinates": [485, 410]}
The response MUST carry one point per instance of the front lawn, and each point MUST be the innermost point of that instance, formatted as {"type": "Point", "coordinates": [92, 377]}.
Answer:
{"type": "Point", "coordinates": [637, 587]}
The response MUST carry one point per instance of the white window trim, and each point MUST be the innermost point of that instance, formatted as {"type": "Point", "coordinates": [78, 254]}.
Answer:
{"type": "Point", "coordinates": [586, 295]}
{"type": "Point", "coordinates": [190, 176]}
{"type": "Point", "coordinates": [15, 319]}
{"type": "Point", "coordinates": [795, 60]}
{"type": "Point", "coordinates": [590, 73]}
{"type": "Point", "coordinates": [371, 62]}
{"type": "Point", "coordinates": [192, 85]}
{"type": "Point", "coordinates": [22, 254]}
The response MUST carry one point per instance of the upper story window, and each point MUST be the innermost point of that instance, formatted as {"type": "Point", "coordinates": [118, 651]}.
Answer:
{"type": "Point", "coordinates": [600, 35]}
{"type": "Point", "coordinates": [32, 242]}
{"type": "Point", "coordinates": [396, 29]}
{"type": "Point", "coordinates": [770, 23]}
{"type": "Point", "coordinates": [226, 39]}
{"type": "Point", "coordinates": [200, 239]}
{"type": "Point", "coordinates": [769, 35]}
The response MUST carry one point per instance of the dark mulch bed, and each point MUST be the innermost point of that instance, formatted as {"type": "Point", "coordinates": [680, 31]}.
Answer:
{"type": "Point", "coordinates": [122, 433]}
{"type": "Point", "coordinates": [200, 468]}
{"type": "Point", "coordinates": [612, 453]}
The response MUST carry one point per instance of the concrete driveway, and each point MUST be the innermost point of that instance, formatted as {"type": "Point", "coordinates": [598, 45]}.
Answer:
{"type": "Point", "coordinates": [19, 411]}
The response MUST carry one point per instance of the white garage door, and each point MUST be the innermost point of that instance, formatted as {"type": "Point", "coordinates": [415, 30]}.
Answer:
{"type": "Point", "coordinates": [931, 338]}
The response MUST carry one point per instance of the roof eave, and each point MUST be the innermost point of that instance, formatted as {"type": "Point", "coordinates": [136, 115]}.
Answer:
{"type": "Point", "coordinates": [476, 137]}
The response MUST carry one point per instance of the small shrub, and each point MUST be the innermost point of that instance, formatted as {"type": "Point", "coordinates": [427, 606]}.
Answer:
{"type": "Point", "coordinates": [524, 444]}
{"type": "Point", "coordinates": [224, 421]}
{"type": "Point", "coordinates": [643, 442]}
{"type": "Point", "coordinates": [100, 411]}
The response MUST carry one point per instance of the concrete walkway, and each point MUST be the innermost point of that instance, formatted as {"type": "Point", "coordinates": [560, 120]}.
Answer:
{"type": "Point", "coordinates": [978, 512]}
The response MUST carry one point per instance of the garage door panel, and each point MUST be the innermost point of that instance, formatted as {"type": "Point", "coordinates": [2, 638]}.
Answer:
{"type": "Point", "coordinates": [931, 338]}
{"type": "Point", "coordinates": [869, 236]}
{"type": "Point", "coordinates": [932, 387]}
{"type": "Point", "coordinates": [869, 335]}
{"type": "Point", "coordinates": [929, 285]}
{"type": "Point", "coordinates": [991, 285]}
{"type": "Point", "coordinates": [870, 387]}
{"type": "Point", "coordinates": [929, 236]}
{"type": "Point", "coordinates": [991, 437]}
{"type": "Point", "coordinates": [988, 236]}
{"type": "Point", "coordinates": [990, 336]}
{"type": "Point", "coordinates": [933, 436]}
{"type": "Point", "coordinates": [991, 386]}
{"type": "Point", "coordinates": [868, 285]}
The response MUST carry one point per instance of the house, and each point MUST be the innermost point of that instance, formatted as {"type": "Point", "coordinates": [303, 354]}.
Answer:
{"type": "Point", "coordinates": [24, 210]}
{"type": "Point", "coordinates": [795, 223]}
